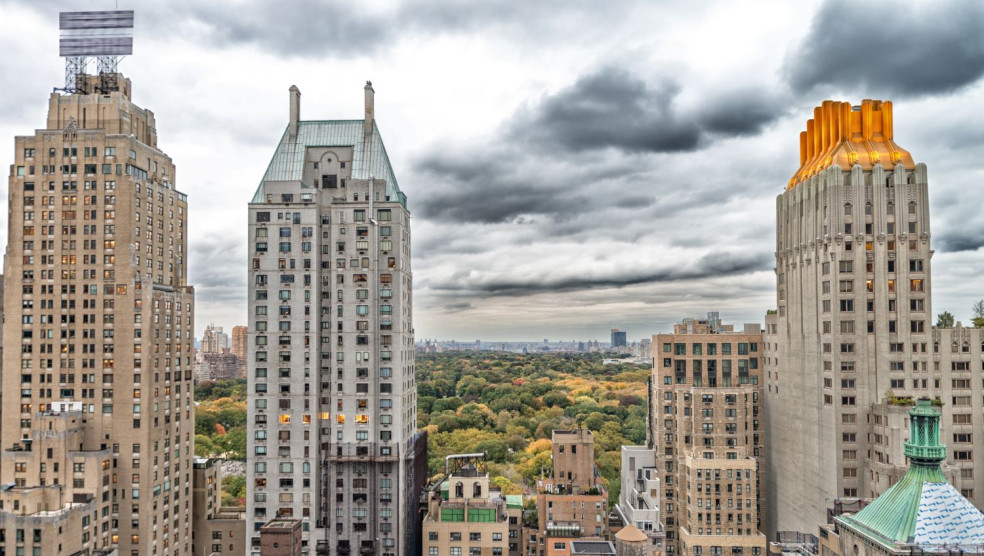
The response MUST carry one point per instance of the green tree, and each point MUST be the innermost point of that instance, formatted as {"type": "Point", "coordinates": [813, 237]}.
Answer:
{"type": "Point", "coordinates": [978, 313]}
{"type": "Point", "coordinates": [235, 487]}
{"type": "Point", "coordinates": [944, 320]}
{"type": "Point", "coordinates": [203, 446]}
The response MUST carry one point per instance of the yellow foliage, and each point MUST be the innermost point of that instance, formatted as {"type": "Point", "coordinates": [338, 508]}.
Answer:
{"type": "Point", "coordinates": [541, 445]}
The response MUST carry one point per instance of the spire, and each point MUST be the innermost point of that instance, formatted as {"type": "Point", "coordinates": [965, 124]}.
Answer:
{"type": "Point", "coordinates": [923, 447]}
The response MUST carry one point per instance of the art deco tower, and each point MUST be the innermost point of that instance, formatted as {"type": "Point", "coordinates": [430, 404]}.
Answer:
{"type": "Point", "coordinates": [333, 438]}
{"type": "Point", "coordinates": [851, 344]}
{"type": "Point", "coordinates": [97, 333]}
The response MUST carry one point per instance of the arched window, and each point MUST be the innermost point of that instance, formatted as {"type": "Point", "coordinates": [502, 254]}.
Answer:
{"type": "Point", "coordinates": [459, 490]}
{"type": "Point", "coordinates": [477, 490]}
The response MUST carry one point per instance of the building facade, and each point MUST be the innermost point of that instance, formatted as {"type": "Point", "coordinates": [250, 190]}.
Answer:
{"type": "Point", "coordinates": [99, 315]}
{"type": "Point", "coordinates": [618, 338]}
{"type": "Point", "coordinates": [465, 517]}
{"type": "Point", "coordinates": [214, 340]}
{"type": "Point", "coordinates": [706, 425]}
{"type": "Point", "coordinates": [573, 502]}
{"type": "Point", "coordinates": [239, 339]}
{"type": "Point", "coordinates": [332, 433]}
{"type": "Point", "coordinates": [215, 529]}
{"type": "Point", "coordinates": [56, 498]}
{"type": "Point", "coordinates": [639, 497]}
{"type": "Point", "coordinates": [852, 333]}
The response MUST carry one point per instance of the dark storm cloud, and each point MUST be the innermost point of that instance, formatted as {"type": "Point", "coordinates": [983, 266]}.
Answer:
{"type": "Point", "coordinates": [583, 149]}
{"type": "Point", "coordinates": [473, 189]}
{"type": "Point", "coordinates": [891, 48]}
{"type": "Point", "coordinates": [963, 239]}
{"type": "Point", "coordinates": [612, 108]}
{"type": "Point", "coordinates": [714, 264]}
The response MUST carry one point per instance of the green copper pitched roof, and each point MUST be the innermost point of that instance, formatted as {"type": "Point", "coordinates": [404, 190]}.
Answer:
{"type": "Point", "coordinates": [922, 508]}
{"type": "Point", "coordinates": [369, 158]}
{"type": "Point", "coordinates": [891, 518]}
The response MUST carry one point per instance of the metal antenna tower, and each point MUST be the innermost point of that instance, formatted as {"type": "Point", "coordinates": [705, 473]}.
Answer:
{"type": "Point", "coordinates": [106, 35]}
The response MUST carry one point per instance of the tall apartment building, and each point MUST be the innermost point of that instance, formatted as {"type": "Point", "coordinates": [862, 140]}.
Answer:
{"type": "Point", "coordinates": [618, 338]}
{"type": "Point", "coordinates": [239, 338]}
{"type": "Point", "coordinates": [99, 316]}
{"type": "Point", "coordinates": [333, 437]}
{"type": "Point", "coordinates": [214, 339]}
{"type": "Point", "coordinates": [705, 422]}
{"type": "Point", "coordinates": [851, 342]}
{"type": "Point", "coordinates": [573, 502]}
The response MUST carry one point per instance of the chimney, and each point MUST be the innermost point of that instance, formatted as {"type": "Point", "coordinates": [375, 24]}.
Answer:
{"type": "Point", "coordinates": [295, 110]}
{"type": "Point", "coordinates": [370, 93]}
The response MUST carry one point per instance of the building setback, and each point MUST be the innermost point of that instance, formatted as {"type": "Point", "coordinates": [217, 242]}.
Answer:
{"type": "Point", "coordinates": [99, 319]}
{"type": "Point", "coordinates": [852, 339]}
{"type": "Point", "coordinates": [333, 438]}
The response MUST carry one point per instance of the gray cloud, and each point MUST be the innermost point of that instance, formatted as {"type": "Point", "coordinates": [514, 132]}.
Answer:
{"type": "Point", "coordinates": [961, 239]}
{"type": "Point", "coordinates": [714, 264]}
{"type": "Point", "coordinates": [308, 28]}
{"type": "Point", "coordinates": [587, 148]}
{"type": "Point", "coordinates": [893, 48]}
{"type": "Point", "coordinates": [612, 108]}
{"type": "Point", "coordinates": [218, 267]}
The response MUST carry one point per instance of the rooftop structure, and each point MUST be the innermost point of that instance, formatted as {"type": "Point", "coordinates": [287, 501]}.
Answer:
{"type": "Point", "coordinates": [843, 135]}
{"type": "Point", "coordinates": [920, 513]}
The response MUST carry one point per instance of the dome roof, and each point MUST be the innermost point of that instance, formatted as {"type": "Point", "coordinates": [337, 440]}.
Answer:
{"type": "Point", "coordinates": [631, 533]}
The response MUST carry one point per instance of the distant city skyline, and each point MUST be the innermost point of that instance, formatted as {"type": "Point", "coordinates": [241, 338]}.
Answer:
{"type": "Point", "coordinates": [619, 177]}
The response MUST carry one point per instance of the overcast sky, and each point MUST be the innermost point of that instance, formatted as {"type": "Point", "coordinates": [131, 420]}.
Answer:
{"type": "Point", "coordinates": [571, 166]}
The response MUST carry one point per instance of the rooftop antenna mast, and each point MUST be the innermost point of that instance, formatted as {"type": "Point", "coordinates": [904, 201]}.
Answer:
{"type": "Point", "coordinates": [105, 35]}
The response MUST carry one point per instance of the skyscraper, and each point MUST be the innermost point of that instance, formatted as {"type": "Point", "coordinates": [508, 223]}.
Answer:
{"type": "Point", "coordinates": [98, 327]}
{"type": "Point", "coordinates": [332, 413]}
{"type": "Point", "coordinates": [618, 338]}
{"type": "Point", "coordinates": [851, 344]}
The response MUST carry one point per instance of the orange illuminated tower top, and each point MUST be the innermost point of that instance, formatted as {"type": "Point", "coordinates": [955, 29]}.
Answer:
{"type": "Point", "coordinates": [846, 135]}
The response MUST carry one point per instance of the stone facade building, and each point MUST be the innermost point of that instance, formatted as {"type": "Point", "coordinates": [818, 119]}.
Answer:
{"type": "Point", "coordinates": [706, 426]}
{"type": "Point", "coordinates": [215, 529]}
{"type": "Point", "coordinates": [852, 333]}
{"type": "Point", "coordinates": [332, 417]}
{"type": "Point", "coordinates": [573, 502]}
{"type": "Point", "coordinates": [57, 497]}
{"type": "Point", "coordinates": [464, 516]}
{"type": "Point", "coordinates": [239, 339]}
{"type": "Point", "coordinates": [98, 312]}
